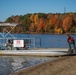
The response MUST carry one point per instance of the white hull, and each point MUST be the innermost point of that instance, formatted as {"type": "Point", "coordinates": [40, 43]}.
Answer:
{"type": "Point", "coordinates": [35, 52]}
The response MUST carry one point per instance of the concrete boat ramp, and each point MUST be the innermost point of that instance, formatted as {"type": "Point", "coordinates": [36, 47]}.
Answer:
{"type": "Point", "coordinates": [37, 52]}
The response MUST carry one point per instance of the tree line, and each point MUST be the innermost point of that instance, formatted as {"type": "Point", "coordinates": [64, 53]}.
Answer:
{"type": "Point", "coordinates": [44, 23]}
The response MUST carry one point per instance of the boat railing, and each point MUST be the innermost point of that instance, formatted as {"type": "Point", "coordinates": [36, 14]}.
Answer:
{"type": "Point", "coordinates": [17, 43]}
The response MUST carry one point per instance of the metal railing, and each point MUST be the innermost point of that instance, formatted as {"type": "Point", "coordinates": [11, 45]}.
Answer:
{"type": "Point", "coordinates": [17, 43]}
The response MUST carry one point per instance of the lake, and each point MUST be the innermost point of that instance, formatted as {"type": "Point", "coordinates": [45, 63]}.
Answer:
{"type": "Point", "coordinates": [46, 40]}
{"type": "Point", "coordinates": [9, 64]}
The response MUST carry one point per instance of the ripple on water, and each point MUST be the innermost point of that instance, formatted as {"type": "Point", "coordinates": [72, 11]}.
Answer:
{"type": "Point", "coordinates": [9, 64]}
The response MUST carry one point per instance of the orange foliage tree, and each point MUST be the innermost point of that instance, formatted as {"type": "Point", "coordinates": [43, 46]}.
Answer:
{"type": "Point", "coordinates": [67, 23]}
{"type": "Point", "coordinates": [41, 25]}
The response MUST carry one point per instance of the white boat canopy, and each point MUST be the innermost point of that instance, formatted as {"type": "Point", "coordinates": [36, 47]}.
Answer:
{"type": "Point", "coordinates": [11, 25]}
{"type": "Point", "coordinates": [8, 24]}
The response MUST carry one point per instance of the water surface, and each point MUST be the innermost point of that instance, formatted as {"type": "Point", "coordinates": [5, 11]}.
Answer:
{"type": "Point", "coordinates": [9, 64]}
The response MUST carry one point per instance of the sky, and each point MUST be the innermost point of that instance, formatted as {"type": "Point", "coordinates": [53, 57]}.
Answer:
{"type": "Point", "coordinates": [21, 7]}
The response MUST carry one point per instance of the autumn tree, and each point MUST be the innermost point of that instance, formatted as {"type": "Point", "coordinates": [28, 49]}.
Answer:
{"type": "Point", "coordinates": [26, 22]}
{"type": "Point", "coordinates": [9, 20]}
{"type": "Point", "coordinates": [67, 23]}
{"type": "Point", "coordinates": [32, 17]}
{"type": "Point", "coordinates": [42, 15]}
{"type": "Point", "coordinates": [36, 19]}
{"type": "Point", "coordinates": [41, 25]}
{"type": "Point", "coordinates": [32, 26]}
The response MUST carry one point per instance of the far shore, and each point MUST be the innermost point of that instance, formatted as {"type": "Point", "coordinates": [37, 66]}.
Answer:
{"type": "Point", "coordinates": [48, 33]}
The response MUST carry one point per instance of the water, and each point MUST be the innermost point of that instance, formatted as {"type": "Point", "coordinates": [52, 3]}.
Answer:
{"type": "Point", "coordinates": [9, 64]}
{"type": "Point", "coordinates": [47, 40]}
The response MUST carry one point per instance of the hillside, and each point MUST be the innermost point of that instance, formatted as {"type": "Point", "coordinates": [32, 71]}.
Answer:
{"type": "Point", "coordinates": [44, 23]}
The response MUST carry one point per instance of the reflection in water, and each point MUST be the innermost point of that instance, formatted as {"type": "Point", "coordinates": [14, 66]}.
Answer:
{"type": "Point", "coordinates": [9, 64]}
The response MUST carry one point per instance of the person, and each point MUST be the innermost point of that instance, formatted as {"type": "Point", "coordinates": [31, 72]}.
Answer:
{"type": "Point", "coordinates": [71, 41]}
{"type": "Point", "coordinates": [24, 47]}
{"type": "Point", "coordinates": [9, 44]}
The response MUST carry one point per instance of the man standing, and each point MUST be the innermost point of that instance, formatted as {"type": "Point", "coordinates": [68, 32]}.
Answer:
{"type": "Point", "coordinates": [71, 41]}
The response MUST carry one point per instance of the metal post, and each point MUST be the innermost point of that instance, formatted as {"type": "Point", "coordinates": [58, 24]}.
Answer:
{"type": "Point", "coordinates": [34, 43]}
{"type": "Point", "coordinates": [40, 42]}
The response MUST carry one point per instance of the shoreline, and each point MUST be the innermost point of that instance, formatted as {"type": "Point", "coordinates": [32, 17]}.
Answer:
{"type": "Point", "coordinates": [48, 33]}
{"type": "Point", "coordinates": [64, 65]}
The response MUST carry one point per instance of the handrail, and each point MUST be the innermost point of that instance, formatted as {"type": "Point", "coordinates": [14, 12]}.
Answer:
{"type": "Point", "coordinates": [8, 43]}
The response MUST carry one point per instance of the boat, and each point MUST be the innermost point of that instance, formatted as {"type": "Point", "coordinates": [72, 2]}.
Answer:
{"type": "Point", "coordinates": [16, 47]}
